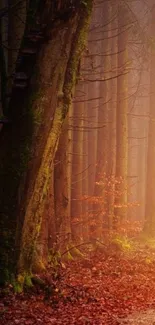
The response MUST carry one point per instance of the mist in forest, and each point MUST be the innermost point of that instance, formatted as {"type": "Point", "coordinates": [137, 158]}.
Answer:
{"type": "Point", "coordinates": [77, 162]}
{"type": "Point", "coordinates": [112, 123]}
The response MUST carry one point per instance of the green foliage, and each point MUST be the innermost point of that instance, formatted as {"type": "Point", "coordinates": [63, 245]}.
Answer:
{"type": "Point", "coordinates": [28, 281]}
{"type": "Point", "coordinates": [18, 288]}
{"type": "Point", "coordinates": [17, 284]}
{"type": "Point", "coordinates": [22, 281]}
{"type": "Point", "coordinates": [123, 243]}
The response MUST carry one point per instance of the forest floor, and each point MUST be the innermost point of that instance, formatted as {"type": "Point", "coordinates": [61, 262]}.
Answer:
{"type": "Point", "coordinates": [114, 289]}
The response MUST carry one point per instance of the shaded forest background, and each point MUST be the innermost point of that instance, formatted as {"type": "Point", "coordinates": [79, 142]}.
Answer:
{"type": "Point", "coordinates": [77, 159]}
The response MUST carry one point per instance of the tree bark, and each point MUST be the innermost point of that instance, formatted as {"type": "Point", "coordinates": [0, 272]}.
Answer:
{"type": "Point", "coordinates": [150, 180]}
{"type": "Point", "coordinates": [121, 122]}
{"type": "Point", "coordinates": [41, 108]}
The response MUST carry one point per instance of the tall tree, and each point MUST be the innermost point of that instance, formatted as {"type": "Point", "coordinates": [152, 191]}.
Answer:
{"type": "Point", "coordinates": [100, 188]}
{"type": "Point", "coordinates": [43, 86]}
{"type": "Point", "coordinates": [61, 189]}
{"type": "Point", "coordinates": [77, 165]}
{"type": "Point", "coordinates": [121, 119]}
{"type": "Point", "coordinates": [150, 180]}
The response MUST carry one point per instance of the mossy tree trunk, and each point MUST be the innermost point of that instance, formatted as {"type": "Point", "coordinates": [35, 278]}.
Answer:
{"type": "Point", "coordinates": [72, 44]}
{"type": "Point", "coordinates": [31, 141]}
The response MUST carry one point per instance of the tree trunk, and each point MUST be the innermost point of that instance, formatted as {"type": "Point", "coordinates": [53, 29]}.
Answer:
{"type": "Point", "coordinates": [41, 107]}
{"type": "Point", "coordinates": [112, 103]}
{"type": "Point", "coordinates": [77, 166]}
{"type": "Point", "coordinates": [150, 180]}
{"type": "Point", "coordinates": [121, 121]}
{"type": "Point", "coordinates": [62, 216]}
{"type": "Point", "coordinates": [16, 27]}
{"type": "Point", "coordinates": [100, 189]}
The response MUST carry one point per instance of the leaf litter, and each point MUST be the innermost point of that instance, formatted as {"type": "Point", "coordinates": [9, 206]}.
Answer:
{"type": "Point", "coordinates": [116, 290]}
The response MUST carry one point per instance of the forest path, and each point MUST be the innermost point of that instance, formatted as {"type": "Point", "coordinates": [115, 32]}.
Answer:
{"type": "Point", "coordinates": [116, 289]}
{"type": "Point", "coordinates": [140, 318]}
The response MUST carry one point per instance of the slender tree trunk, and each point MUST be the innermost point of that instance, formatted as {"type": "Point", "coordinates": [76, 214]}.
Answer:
{"type": "Point", "coordinates": [16, 27]}
{"type": "Point", "coordinates": [3, 69]}
{"type": "Point", "coordinates": [77, 167]}
{"type": "Point", "coordinates": [62, 216]}
{"type": "Point", "coordinates": [85, 167]}
{"type": "Point", "coordinates": [121, 122]}
{"type": "Point", "coordinates": [150, 180]}
{"type": "Point", "coordinates": [101, 179]}
{"type": "Point", "coordinates": [111, 105]}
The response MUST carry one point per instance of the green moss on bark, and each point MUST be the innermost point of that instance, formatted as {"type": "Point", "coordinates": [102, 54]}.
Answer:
{"type": "Point", "coordinates": [36, 205]}
{"type": "Point", "coordinates": [78, 46]}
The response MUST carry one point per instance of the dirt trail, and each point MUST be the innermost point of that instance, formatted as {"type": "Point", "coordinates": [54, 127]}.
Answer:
{"type": "Point", "coordinates": [139, 318]}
